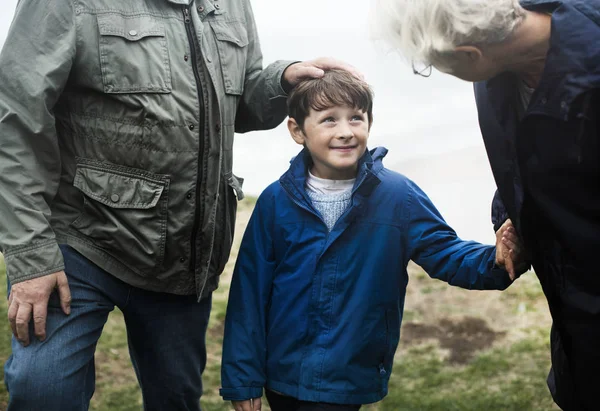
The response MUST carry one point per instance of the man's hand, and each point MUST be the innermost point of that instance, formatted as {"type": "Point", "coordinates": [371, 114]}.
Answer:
{"type": "Point", "coordinates": [509, 249]}
{"type": "Point", "coordinates": [314, 69]}
{"type": "Point", "coordinates": [248, 405]}
{"type": "Point", "coordinates": [29, 299]}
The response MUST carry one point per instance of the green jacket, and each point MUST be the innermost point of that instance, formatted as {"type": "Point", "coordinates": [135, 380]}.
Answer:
{"type": "Point", "coordinates": [116, 129]}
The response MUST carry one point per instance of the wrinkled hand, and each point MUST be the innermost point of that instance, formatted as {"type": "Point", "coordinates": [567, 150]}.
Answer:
{"type": "Point", "coordinates": [29, 299]}
{"type": "Point", "coordinates": [509, 249]}
{"type": "Point", "coordinates": [248, 405]}
{"type": "Point", "coordinates": [314, 69]}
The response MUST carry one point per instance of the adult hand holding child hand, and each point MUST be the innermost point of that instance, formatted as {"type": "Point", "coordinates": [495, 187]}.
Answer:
{"type": "Point", "coordinates": [509, 250]}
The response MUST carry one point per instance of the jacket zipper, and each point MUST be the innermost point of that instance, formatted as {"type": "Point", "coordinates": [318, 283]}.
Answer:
{"type": "Point", "coordinates": [189, 28]}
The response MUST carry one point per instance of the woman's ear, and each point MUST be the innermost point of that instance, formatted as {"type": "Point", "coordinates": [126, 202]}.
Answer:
{"type": "Point", "coordinates": [470, 54]}
{"type": "Point", "coordinates": [296, 131]}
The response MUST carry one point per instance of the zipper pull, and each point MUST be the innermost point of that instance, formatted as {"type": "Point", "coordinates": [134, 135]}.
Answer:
{"type": "Point", "coordinates": [186, 15]}
{"type": "Point", "coordinates": [382, 369]}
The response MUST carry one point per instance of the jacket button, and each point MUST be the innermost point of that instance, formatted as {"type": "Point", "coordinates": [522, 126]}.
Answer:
{"type": "Point", "coordinates": [132, 33]}
{"type": "Point", "coordinates": [114, 198]}
{"type": "Point", "coordinates": [188, 195]}
{"type": "Point", "coordinates": [185, 57]}
{"type": "Point", "coordinates": [191, 126]}
{"type": "Point", "coordinates": [218, 127]}
{"type": "Point", "coordinates": [217, 6]}
{"type": "Point", "coordinates": [200, 9]}
{"type": "Point", "coordinates": [182, 260]}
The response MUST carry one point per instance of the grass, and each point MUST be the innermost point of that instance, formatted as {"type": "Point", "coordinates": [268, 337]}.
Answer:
{"type": "Point", "coordinates": [460, 350]}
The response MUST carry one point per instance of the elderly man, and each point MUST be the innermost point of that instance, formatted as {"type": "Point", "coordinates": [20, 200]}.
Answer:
{"type": "Point", "coordinates": [536, 65]}
{"type": "Point", "coordinates": [116, 124]}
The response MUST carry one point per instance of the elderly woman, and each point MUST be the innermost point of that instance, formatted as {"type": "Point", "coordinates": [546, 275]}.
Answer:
{"type": "Point", "coordinates": [536, 68]}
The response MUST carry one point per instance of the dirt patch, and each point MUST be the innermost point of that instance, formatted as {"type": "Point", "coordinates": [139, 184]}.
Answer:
{"type": "Point", "coordinates": [462, 338]}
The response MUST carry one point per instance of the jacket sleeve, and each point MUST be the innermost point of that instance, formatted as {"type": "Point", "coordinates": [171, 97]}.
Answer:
{"type": "Point", "coordinates": [263, 103]}
{"type": "Point", "coordinates": [34, 66]}
{"type": "Point", "coordinates": [499, 213]}
{"type": "Point", "coordinates": [244, 345]}
{"type": "Point", "coordinates": [435, 246]}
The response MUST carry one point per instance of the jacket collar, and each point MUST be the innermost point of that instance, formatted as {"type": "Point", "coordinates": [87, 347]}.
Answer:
{"type": "Point", "coordinates": [369, 165]}
{"type": "Point", "coordinates": [571, 65]}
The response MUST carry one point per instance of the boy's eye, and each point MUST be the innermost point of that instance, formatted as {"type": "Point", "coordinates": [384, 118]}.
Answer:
{"type": "Point", "coordinates": [328, 120]}
{"type": "Point", "coordinates": [358, 118]}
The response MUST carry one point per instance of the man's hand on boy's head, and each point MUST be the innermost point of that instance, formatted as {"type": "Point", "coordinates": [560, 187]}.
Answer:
{"type": "Point", "coordinates": [247, 405]}
{"type": "Point", "coordinates": [296, 72]}
{"type": "Point", "coordinates": [509, 249]}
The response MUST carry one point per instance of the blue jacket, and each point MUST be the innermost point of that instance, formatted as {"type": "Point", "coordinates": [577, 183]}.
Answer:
{"type": "Point", "coordinates": [315, 314]}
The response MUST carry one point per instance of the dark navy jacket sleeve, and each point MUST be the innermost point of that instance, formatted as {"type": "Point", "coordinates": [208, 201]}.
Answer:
{"type": "Point", "coordinates": [435, 246]}
{"type": "Point", "coordinates": [499, 213]}
{"type": "Point", "coordinates": [244, 345]}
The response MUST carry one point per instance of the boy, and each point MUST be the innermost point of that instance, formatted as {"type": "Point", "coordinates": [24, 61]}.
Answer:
{"type": "Point", "coordinates": [318, 289]}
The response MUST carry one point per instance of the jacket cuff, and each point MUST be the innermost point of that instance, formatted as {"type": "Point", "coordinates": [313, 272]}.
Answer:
{"type": "Point", "coordinates": [284, 85]}
{"type": "Point", "coordinates": [33, 261]}
{"type": "Point", "coordinates": [499, 221]}
{"type": "Point", "coordinates": [501, 277]}
{"type": "Point", "coordinates": [276, 70]}
{"type": "Point", "coordinates": [241, 393]}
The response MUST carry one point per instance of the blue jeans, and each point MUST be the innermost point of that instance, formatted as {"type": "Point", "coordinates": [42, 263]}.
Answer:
{"type": "Point", "coordinates": [166, 335]}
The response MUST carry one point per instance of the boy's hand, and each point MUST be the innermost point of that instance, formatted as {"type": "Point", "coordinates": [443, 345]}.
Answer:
{"type": "Point", "coordinates": [248, 405]}
{"type": "Point", "coordinates": [509, 249]}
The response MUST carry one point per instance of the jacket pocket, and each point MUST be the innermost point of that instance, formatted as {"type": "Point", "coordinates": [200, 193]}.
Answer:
{"type": "Point", "coordinates": [124, 214]}
{"type": "Point", "coordinates": [231, 193]}
{"type": "Point", "coordinates": [392, 337]}
{"type": "Point", "coordinates": [232, 42]}
{"type": "Point", "coordinates": [133, 54]}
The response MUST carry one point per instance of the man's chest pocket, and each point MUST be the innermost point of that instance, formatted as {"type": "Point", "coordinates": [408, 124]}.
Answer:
{"type": "Point", "coordinates": [133, 54]}
{"type": "Point", "coordinates": [232, 41]}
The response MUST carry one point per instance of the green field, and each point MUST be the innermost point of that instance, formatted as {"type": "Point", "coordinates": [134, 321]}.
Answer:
{"type": "Point", "coordinates": [460, 350]}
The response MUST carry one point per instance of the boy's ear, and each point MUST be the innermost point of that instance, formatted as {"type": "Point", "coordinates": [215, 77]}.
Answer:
{"type": "Point", "coordinates": [295, 131]}
{"type": "Point", "coordinates": [371, 122]}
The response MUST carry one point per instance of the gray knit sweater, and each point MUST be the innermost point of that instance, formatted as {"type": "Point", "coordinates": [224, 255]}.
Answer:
{"type": "Point", "coordinates": [331, 206]}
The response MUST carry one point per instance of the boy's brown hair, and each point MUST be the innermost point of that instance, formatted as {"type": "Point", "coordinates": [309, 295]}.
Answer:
{"type": "Point", "coordinates": [335, 88]}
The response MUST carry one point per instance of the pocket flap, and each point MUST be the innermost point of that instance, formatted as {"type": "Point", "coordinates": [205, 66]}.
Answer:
{"type": "Point", "coordinates": [236, 183]}
{"type": "Point", "coordinates": [118, 190]}
{"type": "Point", "coordinates": [130, 28]}
{"type": "Point", "coordinates": [232, 32]}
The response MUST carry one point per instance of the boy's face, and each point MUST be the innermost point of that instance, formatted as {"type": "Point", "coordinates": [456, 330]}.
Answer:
{"type": "Point", "coordinates": [336, 139]}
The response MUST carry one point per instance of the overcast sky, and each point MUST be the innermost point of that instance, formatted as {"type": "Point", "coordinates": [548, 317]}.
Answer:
{"type": "Point", "coordinates": [428, 124]}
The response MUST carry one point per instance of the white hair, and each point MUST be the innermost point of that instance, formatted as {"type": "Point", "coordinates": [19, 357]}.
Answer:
{"type": "Point", "coordinates": [428, 31]}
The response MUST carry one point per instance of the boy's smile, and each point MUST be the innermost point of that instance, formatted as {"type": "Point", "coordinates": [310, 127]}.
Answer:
{"type": "Point", "coordinates": [336, 139]}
